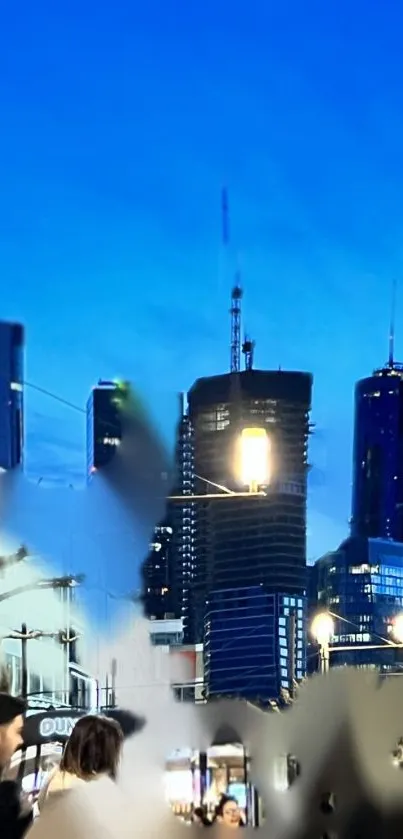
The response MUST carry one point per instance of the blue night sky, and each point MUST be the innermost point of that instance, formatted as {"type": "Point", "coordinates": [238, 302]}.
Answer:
{"type": "Point", "coordinates": [119, 125]}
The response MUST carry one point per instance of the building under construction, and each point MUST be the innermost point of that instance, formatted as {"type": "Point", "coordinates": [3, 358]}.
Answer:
{"type": "Point", "coordinates": [249, 559]}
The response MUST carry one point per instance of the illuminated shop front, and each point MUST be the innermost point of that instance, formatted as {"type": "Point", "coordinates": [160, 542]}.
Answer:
{"type": "Point", "coordinates": [194, 778]}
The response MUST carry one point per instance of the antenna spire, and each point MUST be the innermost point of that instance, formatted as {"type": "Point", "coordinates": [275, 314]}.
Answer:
{"type": "Point", "coordinates": [224, 217]}
{"type": "Point", "coordinates": [391, 360]}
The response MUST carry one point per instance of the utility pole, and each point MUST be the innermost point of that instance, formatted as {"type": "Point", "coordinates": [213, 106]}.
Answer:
{"type": "Point", "coordinates": [391, 359]}
{"type": "Point", "coordinates": [24, 662]}
{"type": "Point", "coordinates": [114, 667]}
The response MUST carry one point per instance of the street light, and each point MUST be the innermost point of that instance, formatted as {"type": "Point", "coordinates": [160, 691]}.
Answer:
{"type": "Point", "coordinates": [254, 455]}
{"type": "Point", "coordinates": [67, 581]}
{"type": "Point", "coordinates": [322, 629]}
{"type": "Point", "coordinates": [397, 629]}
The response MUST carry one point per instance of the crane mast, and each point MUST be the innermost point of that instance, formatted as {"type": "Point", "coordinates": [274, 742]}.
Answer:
{"type": "Point", "coordinates": [248, 346]}
{"type": "Point", "coordinates": [235, 311]}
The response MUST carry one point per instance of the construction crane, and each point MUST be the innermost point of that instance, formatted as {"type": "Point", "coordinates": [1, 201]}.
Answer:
{"type": "Point", "coordinates": [391, 360]}
{"type": "Point", "coordinates": [236, 294]}
{"type": "Point", "coordinates": [248, 348]}
{"type": "Point", "coordinates": [235, 312]}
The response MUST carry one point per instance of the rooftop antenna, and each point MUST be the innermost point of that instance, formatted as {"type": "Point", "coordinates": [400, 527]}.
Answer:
{"type": "Point", "coordinates": [236, 293]}
{"type": "Point", "coordinates": [248, 348]}
{"type": "Point", "coordinates": [224, 217]}
{"type": "Point", "coordinates": [392, 327]}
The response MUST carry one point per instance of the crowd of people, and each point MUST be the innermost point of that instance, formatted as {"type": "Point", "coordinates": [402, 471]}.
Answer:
{"type": "Point", "coordinates": [92, 751]}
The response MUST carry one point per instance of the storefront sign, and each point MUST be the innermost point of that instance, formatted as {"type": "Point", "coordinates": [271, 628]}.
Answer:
{"type": "Point", "coordinates": [48, 726]}
{"type": "Point", "coordinates": [56, 724]}
{"type": "Point", "coordinates": [56, 727]}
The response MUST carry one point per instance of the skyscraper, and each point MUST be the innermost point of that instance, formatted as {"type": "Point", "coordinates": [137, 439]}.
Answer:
{"type": "Point", "coordinates": [157, 577]}
{"type": "Point", "coordinates": [377, 499]}
{"type": "Point", "coordinates": [362, 581]}
{"type": "Point", "coordinates": [104, 425]}
{"type": "Point", "coordinates": [183, 518]}
{"type": "Point", "coordinates": [11, 394]}
{"type": "Point", "coordinates": [243, 545]}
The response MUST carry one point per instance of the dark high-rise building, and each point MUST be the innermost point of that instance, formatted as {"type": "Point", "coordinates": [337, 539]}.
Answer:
{"type": "Point", "coordinates": [157, 576]}
{"type": "Point", "coordinates": [377, 501]}
{"type": "Point", "coordinates": [250, 543]}
{"type": "Point", "coordinates": [11, 395]}
{"type": "Point", "coordinates": [104, 425]}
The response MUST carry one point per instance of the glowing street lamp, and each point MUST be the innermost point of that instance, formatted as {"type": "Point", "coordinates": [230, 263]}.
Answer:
{"type": "Point", "coordinates": [397, 629]}
{"type": "Point", "coordinates": [254, 458]}
{"type": "Point", "coordinates": [322, 629]}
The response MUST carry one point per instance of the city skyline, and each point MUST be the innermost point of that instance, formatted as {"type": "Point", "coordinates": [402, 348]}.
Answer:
{"type": "Point", "coordinates": [110, 245]}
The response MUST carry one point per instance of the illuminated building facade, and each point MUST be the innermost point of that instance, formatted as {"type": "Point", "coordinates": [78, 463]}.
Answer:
{"type": "Point", "coordinates": [363, 583]}
{"type": "Point", "coordinates": [11, 395]}
{"type": "Point", "coordinates": [104, 426]}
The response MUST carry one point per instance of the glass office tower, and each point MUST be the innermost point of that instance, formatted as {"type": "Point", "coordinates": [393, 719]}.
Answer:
{"type": "Point", "coordinates": [377, 502]}
{"type": "Point", "coordinates": [11, 395]}
{"type": "Point", "coordinates": [363, 583]}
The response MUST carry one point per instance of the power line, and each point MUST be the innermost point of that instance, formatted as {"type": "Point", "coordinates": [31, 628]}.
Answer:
{"type": "Point", "coordinates": [388, 642]}
{"type": "Point", "coordinates": [55, 396]}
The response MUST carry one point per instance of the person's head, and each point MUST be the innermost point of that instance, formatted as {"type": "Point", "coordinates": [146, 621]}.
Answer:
{"type": "Point", "coordinates": [11, 726]}
{"type": "Point", "coordinates": [228, 812]}
{"type": "Point", "coordinates": [93, 748]}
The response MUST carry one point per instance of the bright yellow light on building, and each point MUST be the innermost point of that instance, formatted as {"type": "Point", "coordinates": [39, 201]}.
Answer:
{"type": "Point", "coordinates": [397, 630]}
{"type": "Point", "coordinates": [322, 628]}
{"type": "Point", "coordinates": [255, 457]}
